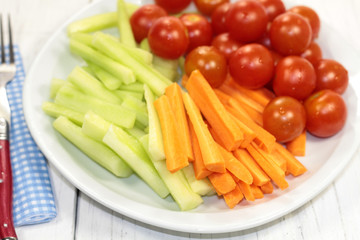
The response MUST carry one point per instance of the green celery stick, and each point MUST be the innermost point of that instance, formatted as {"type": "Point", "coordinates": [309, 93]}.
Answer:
{"type": "Point", "coordinates": [110, 81]}
{"type": "Point", "coordinates": [137, 106]}
{"type": "Point", "coordinates": [114, 113]}
{"type": "Point", "coordinates": [200, 186]}
{"type": "Point", "coordinates": [84, 38]}
{"type": "Point", "coordinates": [135, 132]}
{"type": "Point", "coordinates": [126, 34]}
{"type": "Point", "coordinates": [93, 23]}
{"type": "Point", "coordinates": [133, 87]}
{"type": "Point", "coordinates": [91, 86]}
{"type": "Point", "coordinates": [145, 45]}
{"type": "Point", "coordinates": [131, 150]}
{"type": "Point", "coordinates": [55, 85]}
{"type": "Point", "coordinates": [131, 8]}
{"type": "Point", "coordinates": [56, 110]}
{"type": "Point", "coordinates": [177, 184]}
{"type": "Point", "coordinates": [123, 93]}
{"type": "Point", "coordinates": [167, 67]}
{"type": "Point", "coordinates": [95, 150]}
{"type": "Point", "coordinates": [143, 72]}
{"type": "Point", "coordinates": [89, 54]}
{"type": "Point", "coordinates": [156, 144]}
{"type": "Point", "coordinates": [95, 126]}
{"type": "Point", "coordinates": [89, 71]}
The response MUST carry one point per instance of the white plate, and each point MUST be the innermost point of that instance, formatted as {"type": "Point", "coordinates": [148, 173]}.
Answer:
{"type": "Point", "coordinates": [131, 197]}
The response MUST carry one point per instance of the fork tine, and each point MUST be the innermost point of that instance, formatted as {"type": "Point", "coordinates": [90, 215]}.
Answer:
{"type": "Point", "coordinates": [11, 47]}
{"type": "Point", "coordinates": [2, 41]}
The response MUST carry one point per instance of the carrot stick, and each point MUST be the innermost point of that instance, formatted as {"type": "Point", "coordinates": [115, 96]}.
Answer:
{"type": "Point", "coordinates": [273, 158]}
{"type": "Point", "coordinates": [184, 80]}
{"type": "Point", "coordinates": [200, 170]}
{"type": "Point", "coordinates": [259, 176]}
{"type": "Point", "coordinates": [267, 188]}
{"type": "Point", "coordinates": [272, 170]}
{"type": "Point", "coordinates": [246, 190]}
{"type": "Point", "coordinates": [214, 111]}
{"type": "Point", "coordinates": [176, 157]}
{"type": "Point", "coordinates": [293, 165]}
{"type": "Point", "coordinates": [258, 194]}
{"type": "Point", "coordinates": [297, 146]}
{"type": "Point", "coordinates": [234, 197]}
{"type": "Point", "coordinates": [211, 155]}
{"type": "Point", "coordinates": [222, 182]}
{"type": "Point", "coordinates": [174, 94]}
{"type": "Point", "coordinates": [249, 134]}
{"type": "Point", "coordinates": [235, 166]}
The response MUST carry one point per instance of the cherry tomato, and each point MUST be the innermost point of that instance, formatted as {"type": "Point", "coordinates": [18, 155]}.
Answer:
{"type": "Point", "coordinates": [276, 57]}
{"type": "Point", "coordinates": [225, 44]}
{"type": "Point", "coordinates": [273, 8]}
{"type": "Point", "coordinates": [285, 118]}
{"type": "Point", "coordinates": [246, 20]}
{"type": "Point", "coordinates": [330, 74]}
{"type": "Point", "coordinates": [218, 18]}
{"type": "Point", "coordinates": [310, 15]}
{"type": "Point", "coordinates": [173, 6]}
{"type": "Point", "coordinates": [313, 53]}
{"type": "Point", "coordinates": [290, 34]}
{"type": "Point", "coordinates": [265, 39]}
{"type": "Point", "coordinates": [168, 38]}
{"type": "Point", "coordinates": [208, 6]}
{"type": "Point", "coordinates": [199, 29]}
{"type": "Point", "coordinates": [143, 18]}
{"type": "Point", "coordinates": [251, 65]}
{"type": "Point", "coordinates": [295, 77]}
{"type": "Point", "coordinates": [210, 62]}
{"type": "Point", "coordinates": [326, 113]}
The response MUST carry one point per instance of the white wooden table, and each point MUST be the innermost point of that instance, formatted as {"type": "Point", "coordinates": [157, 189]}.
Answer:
{"type": "Point", "coordinates": [333, 214]}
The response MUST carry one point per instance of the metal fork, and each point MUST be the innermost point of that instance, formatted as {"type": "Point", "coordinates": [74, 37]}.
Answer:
{"type": "Point", "coordinates": [7, 73]}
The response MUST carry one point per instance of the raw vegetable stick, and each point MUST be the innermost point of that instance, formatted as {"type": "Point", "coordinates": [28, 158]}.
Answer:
{"type": "Point", "coordinates": [249, 134]}
{"type": "Point", "coordinates": [174, 94]}
{"type": "Point", "coordinates": [246, 190]}
{"type": "Point", "coordinates": [267, 188]}
{"type": "Point", "coordinates": [56, 110]}
{"type": "Point", "coordinates": [256, 191]}
{"type": "Point", "coordinates": [234, 197]}
{"type": "Point", "coordinates": [272, 170]}
{"type": "Point", "coordinates": [294, 166]}
{"type": "Point", "coordinates": [222, 182]}
{"type": "Point", "coordinates": [123, 23]}
{"type": "Point", "coordinates": [214, 111]}
{"type": "Point", "coordinates": [298, 145]}
{"type": "Point", "coordinates": [211, 155]}
{"type": "Point", "coordinates": [175, 152]}
{"type": "Point", "coordinates": [273, 158]}
{"type": "Point", "coordinates": [259, 176]}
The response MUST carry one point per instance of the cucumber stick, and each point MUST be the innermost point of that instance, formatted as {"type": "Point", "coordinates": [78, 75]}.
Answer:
{"type": "Point", "coordinates": [95, 150]}
{"type": "Point", "coordinates": [131, 150]}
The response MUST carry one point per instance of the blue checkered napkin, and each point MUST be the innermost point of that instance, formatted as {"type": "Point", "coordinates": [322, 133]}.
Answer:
{"type": "Point", "coordinates": [33, 199]}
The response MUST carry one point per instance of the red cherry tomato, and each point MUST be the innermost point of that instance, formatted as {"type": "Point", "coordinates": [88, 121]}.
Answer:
{"type": "Point", "coordinates": [210, 62]}
{"type": "Point", "coordinates": [208, 6]}
{"type": "Point", "coordinates": [273, 8]}
{"type": "Point", "coordinates": [313, 53]}
{"type": "Point", "coordinates": [199, 29]}
{"type": "Point", "coordinates": [285, 118]}
{"type": "Point", "coordinates": [326, 113]}
{"type": "Point", "coordinates": [330, 74]}
{"type": "Point", "coordinates": [310, 15]}
{"type": "Point", "coordinates": [294, 76]}
{"type": "Point", "coordinates": [276, 57]}
{"type": "Point", "coordinates": [246, 20]}
{"type": "Point", "coordinates": [251, 65]}
{"type": "Point", "coordinates": [168, 38]}
{"type": "Point", "coordinates": [218, 18]}
{"type": "Point", "coordinates": [143, 18]}
{"type": "Point", "coordinates": [173, 6]}
{"type": "Point", "coordinates": [225, 44]}
{"type": "Point", "coordinates": [290, 34]}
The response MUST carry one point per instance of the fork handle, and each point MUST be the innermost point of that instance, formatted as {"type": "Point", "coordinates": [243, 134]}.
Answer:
{"type": "Point", "coordinates": [7, 230]}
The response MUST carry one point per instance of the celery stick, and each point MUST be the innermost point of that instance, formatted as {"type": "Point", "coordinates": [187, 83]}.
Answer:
{"type": "Point", "coordinates": [55, 85]}
{"type": "Point", "coordinates": [126, 34]}
{"type": "Point", "coordinates": [177, 184]}
{"type": "Point", "coordinates": [167, 67]}
{"type": "Point", "coordinates": [74, 99]}
{"type": "Point", "coordinates": [156, 145]}
{"type": "Point", "coordinates": [91, 86]}
{"type": "Point", "coordinates": [89, 71]}
{"type": "Point", "coordinates": [95, 150]}
{"type": "Point", "coordinates": [138, 107]}
{"type": "Point", "coordinates": [131, 150]}
{"type": "Point", "coordinates": [113, 67]}
{"type": "Point", "coordinates": [145, 45]}
{"type": "Point", "coordinates": [110, 81]}
{"type": "Point", "coordinates": [93, 23]}
{"type": "Point", "coordinates": [131, 8]}
{"type": "Point", "coordinates": [95, 126]}
{"type": "Point", "coordinates": [123, 93]}
{"type": "Point", "coordinates": [84, 38]}
{"type": "Point", "coordinates": [143, 72]}
{"type": "Point", "coordinates": [200, 186]}
{"type": "Point", "coordinates": [135, 132]}
{"type": "Point", "coordinates": [56, 110]}
{"type": "Point", "coordinates": [134, 87]}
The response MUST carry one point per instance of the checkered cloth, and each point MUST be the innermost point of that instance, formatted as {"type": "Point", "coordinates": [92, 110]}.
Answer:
{"type": "Point", "coordinates": [33, 199]}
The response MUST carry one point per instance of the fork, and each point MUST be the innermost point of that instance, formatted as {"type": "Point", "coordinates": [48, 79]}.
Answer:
{"type": "Point", "coordinates": [7, 73]}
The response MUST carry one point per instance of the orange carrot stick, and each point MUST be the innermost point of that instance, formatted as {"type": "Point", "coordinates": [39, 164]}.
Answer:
{"type": "Point", "coordinates": [293, 165]}
{"type": "Point", "coordinates": [298, 145]}
{"type": "Point", "coordinates": [273, 158]}
{"type": "Point", "coordinates": [214, 111]}
{"type": "Point", "coordinates": [211, 155]}
{"type": "Point", "coordinates": [246, 190]}
{"type": "Point", "coordinates": [258, 194]}
{"type": "Point", "coordinates": [267, 188]}
{"type": "Point", "coordinates": [184, 80]}
{"type": "Point", "coordinates": [222, 182]}
{"type": "Point", "coordinates": [174, 94]}
{"type": "Point", "coordinates": [272, 170]}
{"type": "Point", "coordinates": [249, 134]}
{"type": "Point", "coordinates": [176, 157]}
{"type": "Point", "coordinates": [234, 197]}
{"type": "Point", "coordinates": [259, 176]}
